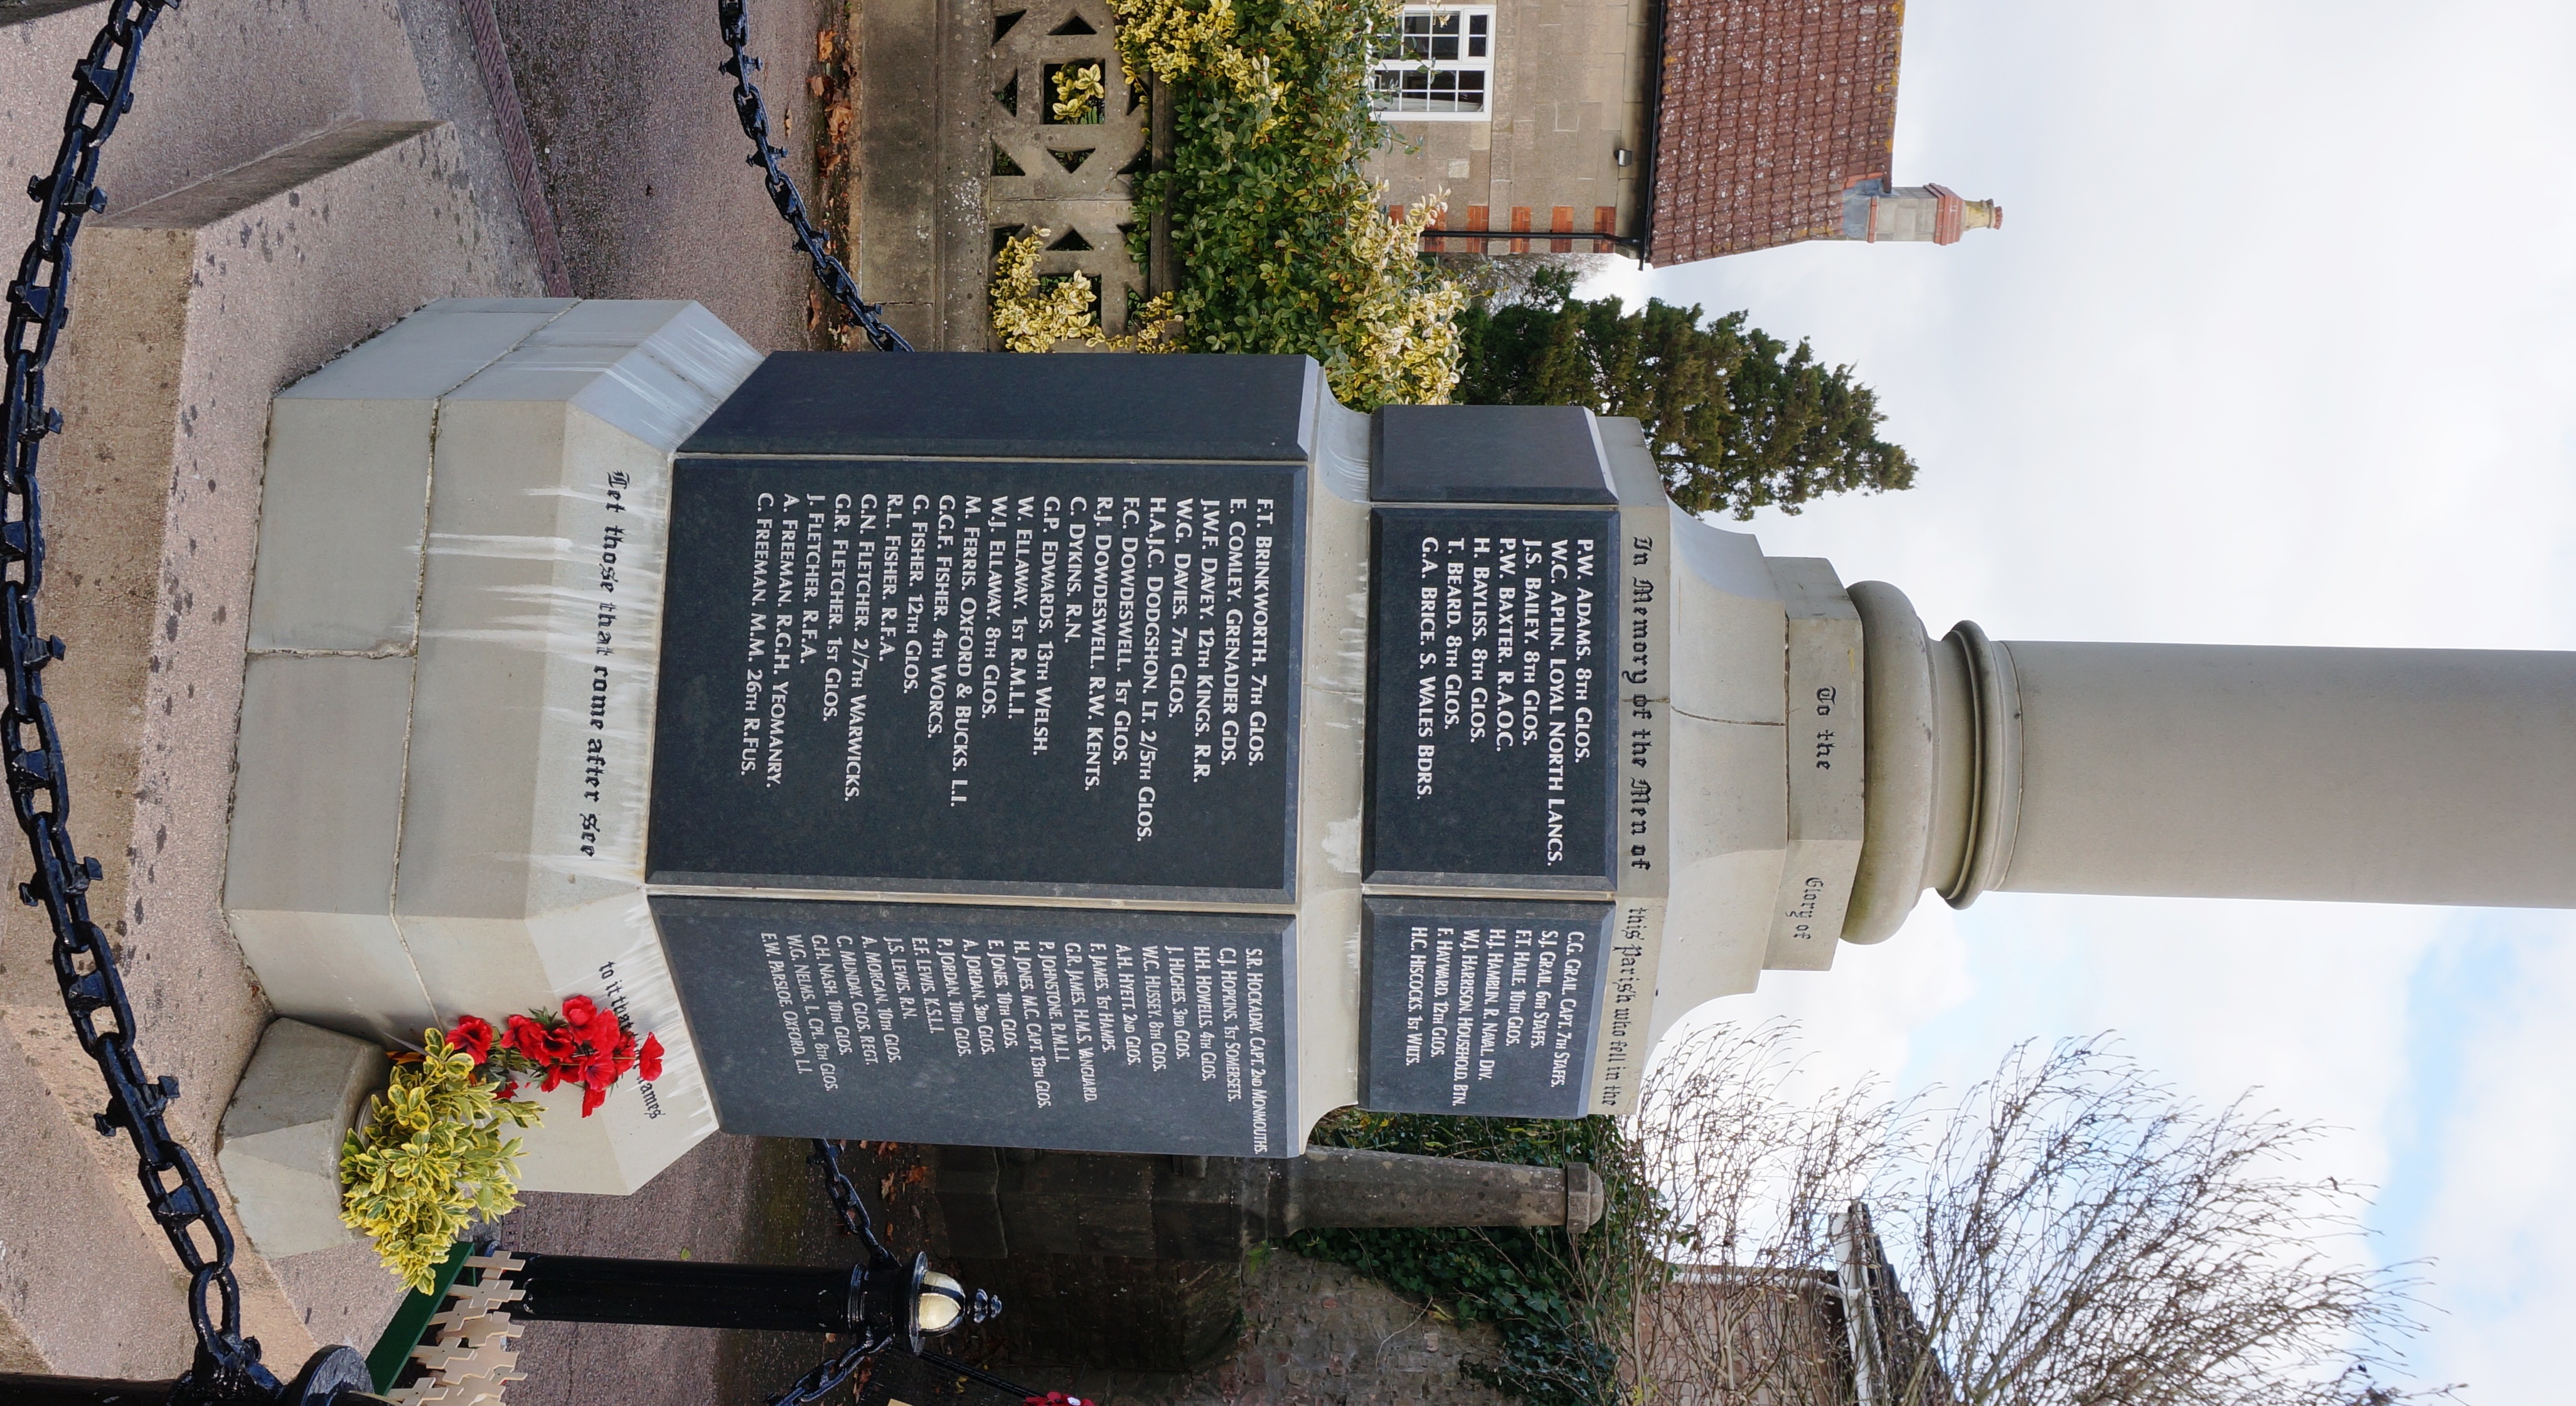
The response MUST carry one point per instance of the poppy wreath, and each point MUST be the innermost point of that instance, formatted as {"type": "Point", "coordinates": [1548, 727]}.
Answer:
{"type": "Point", "coordinates": [583, 1044]}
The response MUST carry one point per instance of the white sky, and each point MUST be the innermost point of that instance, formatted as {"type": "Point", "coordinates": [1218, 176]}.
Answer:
{"type": "Point", "coordinates": [2273, 348]}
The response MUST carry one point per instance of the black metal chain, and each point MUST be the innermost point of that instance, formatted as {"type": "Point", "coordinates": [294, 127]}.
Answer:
{"type": "Point", "coordinates": [827, 1375]}
{"type": "Point", "coordinates": [227, 1364]}
{"type": "Point", "coordinates": [833, 1371]}
{"type": "Point", "coordinates": [816, 246]}
{"type": "Point", "coordinates": [855, 1219]}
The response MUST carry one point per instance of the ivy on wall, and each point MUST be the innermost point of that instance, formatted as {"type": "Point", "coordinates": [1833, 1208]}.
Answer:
{"type": "Point", "coordinates": [1557, 1300]}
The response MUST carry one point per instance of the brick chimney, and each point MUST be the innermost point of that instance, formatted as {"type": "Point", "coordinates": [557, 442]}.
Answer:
{"type": "Point", "coordinates": [1874, 211]}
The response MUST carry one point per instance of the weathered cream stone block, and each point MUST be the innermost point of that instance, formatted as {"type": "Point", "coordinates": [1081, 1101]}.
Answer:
{"type": "Point", "coordinates": [1730, 817]}
{"type": "Point", "coordinates": [317, 810]}
{"type": "Point", "coordinates": [469, 753]}
{"type": "Point", "coordinates": [1825, 762]}
{"type": "Point", "coordinates": [348, 478]}
{"type": "Point", "coordinates": [279, 1146]}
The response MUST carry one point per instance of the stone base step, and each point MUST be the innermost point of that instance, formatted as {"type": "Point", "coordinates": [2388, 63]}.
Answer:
{"type": "Point", "coordinates": [191, 312]}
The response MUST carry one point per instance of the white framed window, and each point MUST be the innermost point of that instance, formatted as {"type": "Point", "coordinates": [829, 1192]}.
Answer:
{"type": "Point", "coordinates": [1436, 64]}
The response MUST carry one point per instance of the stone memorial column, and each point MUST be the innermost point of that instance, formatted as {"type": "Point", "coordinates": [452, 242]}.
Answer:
{"type": "Point", "coordinates": [1147, 754]}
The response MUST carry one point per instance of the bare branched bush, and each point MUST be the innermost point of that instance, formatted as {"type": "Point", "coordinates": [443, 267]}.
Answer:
{"type": "Point", "coordinates": [1752, 1178]}
{"type": "Point", "coordinates": [2073, 1231]}
{"type": "Point", "coordinates": [2068, 1233]}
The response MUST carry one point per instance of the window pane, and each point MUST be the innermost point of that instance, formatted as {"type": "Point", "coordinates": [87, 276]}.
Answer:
{"type": "Point", "coordinates": [1432, 60]}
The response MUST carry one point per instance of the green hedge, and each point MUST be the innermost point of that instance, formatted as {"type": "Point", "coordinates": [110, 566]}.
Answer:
{"type": "Point", "coordinates": [1281, 242]}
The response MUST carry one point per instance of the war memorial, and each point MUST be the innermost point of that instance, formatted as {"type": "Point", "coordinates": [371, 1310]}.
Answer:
{"type": "Point", "coordinates": [1147, 754]}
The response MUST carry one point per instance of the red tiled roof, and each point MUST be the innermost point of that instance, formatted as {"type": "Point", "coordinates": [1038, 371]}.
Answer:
{"type": "Point", "coordinates": [1770, 110]}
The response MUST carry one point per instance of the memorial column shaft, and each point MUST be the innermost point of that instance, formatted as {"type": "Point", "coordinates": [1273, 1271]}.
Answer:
{"type": "Point", "coordinates": [2215, 771]}
{"type": "Point", "coordinates": [2233, 771]}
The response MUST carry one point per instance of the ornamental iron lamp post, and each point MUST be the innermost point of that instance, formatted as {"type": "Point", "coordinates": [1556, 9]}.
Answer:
{"type": "Point", "coordinates": [885, 1302]}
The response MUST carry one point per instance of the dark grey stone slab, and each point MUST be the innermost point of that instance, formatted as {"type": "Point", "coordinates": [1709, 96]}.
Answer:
{"type": "Point", "coordinates": [1488, 454]}
{"type": "Point", "coordinates": [1081, 1029]}
{"type": "Point", "coordinates": [1491, 698]}
{"type": "Point", "coordinates": [980, 677]}
{"type": "Point", "coordinates": [1479, 1007]}
{"type": "Point", "coordinates": [979, 405]}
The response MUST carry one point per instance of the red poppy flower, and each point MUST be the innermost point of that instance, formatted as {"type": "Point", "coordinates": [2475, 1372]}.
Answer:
{"type": "Point", "coordinates": [648, 1061]}
{"type": "Point", "coordinates": [592, 1096]}
{"type": "Point", "coordinates": [473, 1035]}
{"type": "Point", "coordinates": [525, 1037]}
{"type": "Point", "coordinates": [578, 1010]}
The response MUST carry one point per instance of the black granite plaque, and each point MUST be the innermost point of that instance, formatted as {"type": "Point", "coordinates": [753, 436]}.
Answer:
{"type": "Point", "coordinates": [1490, 698]}
{"type": "Point", "coordinates": [1106, 405]}
{"type": "Point", "coordinates": [1487, 454]}
{"type": "Point", "coordinates": [1478, 1007]}
{"type": "Point", "coordinates": [979, 676]}
{"type": "Point", "coordinates": [1079, 1029]}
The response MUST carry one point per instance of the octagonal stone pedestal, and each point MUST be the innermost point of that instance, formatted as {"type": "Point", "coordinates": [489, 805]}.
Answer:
{"type": "Point", "coordinates": [460, 559]}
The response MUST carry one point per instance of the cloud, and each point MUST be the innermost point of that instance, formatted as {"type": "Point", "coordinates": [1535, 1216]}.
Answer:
{"type": "Point", "coordinates": [2488, 1142]}
{"type": "Point", "coordinates": [2271, 349]}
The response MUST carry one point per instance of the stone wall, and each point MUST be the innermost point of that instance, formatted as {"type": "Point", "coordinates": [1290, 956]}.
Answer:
{"type": "Point", "coordinates": [958, 148]}
{"type": "Point", "coordinates": [1068, 179]}
{"type": "Point", "coordinates": [1569, 94]}
{"type": "Point", "coordinates": [1317, 1332]}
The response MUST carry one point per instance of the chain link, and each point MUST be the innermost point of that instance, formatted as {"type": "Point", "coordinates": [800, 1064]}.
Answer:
{"type": "Point", "coordinates": [855, 1219]}
{"type": "Point", "coordinates": [827, 1375]}
{"type": "Point", "coordinates": [227, 1364]}
{"type": "Point", "coordinates": [833, 1371]}
{"type": "Point", "coordinates": [735, 22]}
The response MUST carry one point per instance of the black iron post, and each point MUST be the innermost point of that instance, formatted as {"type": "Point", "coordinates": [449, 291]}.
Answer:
{"type": "Point", "coordinates": [687, 1294]}
{"type": "Point", "coordinates": [888, 1299]}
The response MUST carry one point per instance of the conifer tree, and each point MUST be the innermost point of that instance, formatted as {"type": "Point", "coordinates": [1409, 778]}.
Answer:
{"type": "Point", "coordinates": [1737, 419]}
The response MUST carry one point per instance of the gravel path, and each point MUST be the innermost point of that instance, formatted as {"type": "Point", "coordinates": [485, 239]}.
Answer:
{"type": "Point", "coordinates": [732, 1200]}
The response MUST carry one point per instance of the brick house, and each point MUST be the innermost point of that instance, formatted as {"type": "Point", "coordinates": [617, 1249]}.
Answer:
{"type": "Point", "coordinates": [1673, 130]}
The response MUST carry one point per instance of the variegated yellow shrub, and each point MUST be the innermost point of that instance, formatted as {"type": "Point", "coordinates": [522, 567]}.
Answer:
{"type": "Point", "coordinates": [1030, 315]}
{"type": "Point", "coordinates": [1279, 236]}
{"type": "Point", "coordinates": [429, 1159]}
{"type": "Point", "coordinates": [1175, 40]}
{"type": "Point", "coordinates": [1079, 93]}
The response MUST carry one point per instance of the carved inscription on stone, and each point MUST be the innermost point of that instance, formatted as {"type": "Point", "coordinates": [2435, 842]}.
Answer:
{"type": "Point", "coordinates": [1492, 709]}
{"type": "Point", "coordinates": [947, 1023]}
{"type": "Point", "coordinates": [979, 676]}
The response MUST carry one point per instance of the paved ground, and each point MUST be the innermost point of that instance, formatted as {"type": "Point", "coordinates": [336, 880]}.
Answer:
{"type": "Point", "coordinates": [643, 159]}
